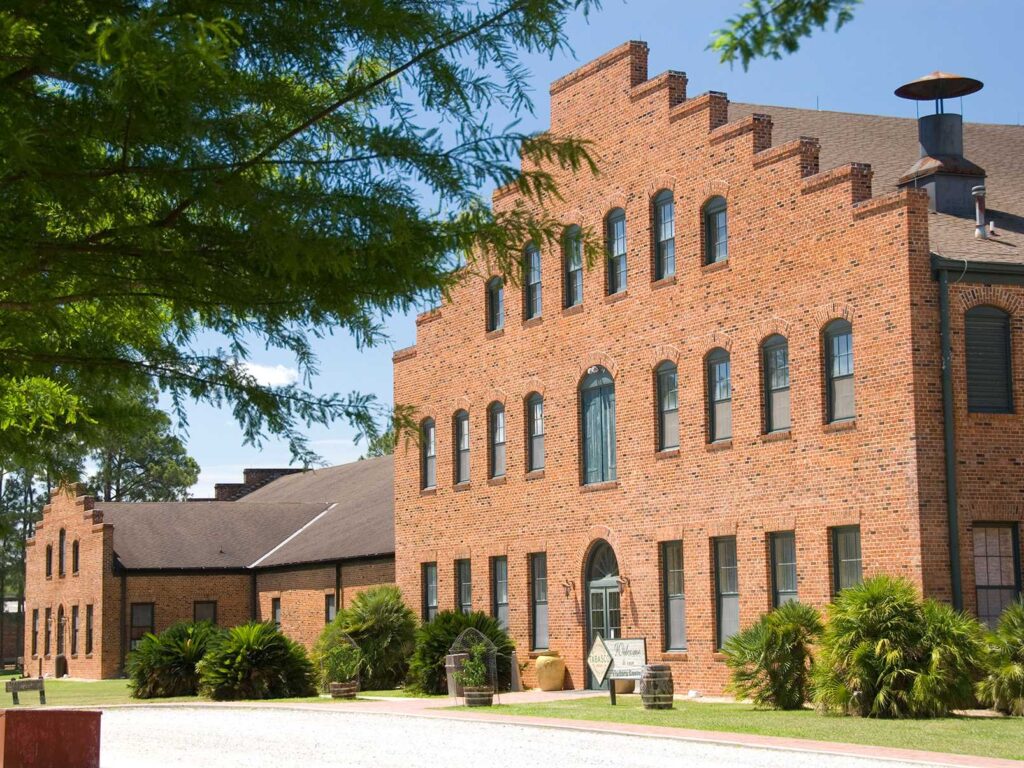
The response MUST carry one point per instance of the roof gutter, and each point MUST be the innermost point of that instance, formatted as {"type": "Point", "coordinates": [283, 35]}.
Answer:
{"type": "Point", "coordinates": [963, 271]}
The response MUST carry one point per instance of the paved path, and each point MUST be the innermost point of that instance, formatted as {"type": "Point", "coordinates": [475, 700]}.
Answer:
{"type": "Point", "coordinates": [315, 737]}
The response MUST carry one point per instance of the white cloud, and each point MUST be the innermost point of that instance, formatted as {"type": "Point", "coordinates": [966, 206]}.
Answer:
{"type": "Point", "coordinates": [272, 375]}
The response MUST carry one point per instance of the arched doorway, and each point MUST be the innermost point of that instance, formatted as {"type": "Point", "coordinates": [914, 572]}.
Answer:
{"type": "Point", "coordinates": [604, 616]}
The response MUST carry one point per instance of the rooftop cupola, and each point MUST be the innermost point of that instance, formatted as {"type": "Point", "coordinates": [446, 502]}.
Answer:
{"type": "Point", "coordinates": [942, 169]}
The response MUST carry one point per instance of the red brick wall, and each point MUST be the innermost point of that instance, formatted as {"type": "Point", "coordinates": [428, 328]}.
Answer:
{"type": "Point", "coordinates": [361, 575]}
{"type": "Point", "coordinates": [174, 596]}
{"type": "Point", "coordinates": [805, 247]}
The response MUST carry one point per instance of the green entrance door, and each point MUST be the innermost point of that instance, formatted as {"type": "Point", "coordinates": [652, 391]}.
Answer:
{"type": "Point", "coordinates": [604, 617]}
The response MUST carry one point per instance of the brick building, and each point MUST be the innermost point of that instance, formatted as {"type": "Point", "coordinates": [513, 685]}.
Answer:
{"type": "Point", "coordinates": [292, 548]}
{"type": "Point", "coordinates": [745, 402]}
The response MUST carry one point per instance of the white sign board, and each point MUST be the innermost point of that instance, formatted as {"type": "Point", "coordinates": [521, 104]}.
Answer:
{"type": "Point", "coordinates": [629, 656]}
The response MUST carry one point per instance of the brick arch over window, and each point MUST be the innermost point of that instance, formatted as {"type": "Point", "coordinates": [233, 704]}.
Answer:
{"type": "Point", "coordinates": [664, 353]}
{"type": "Point", "coordinates": [826, 313]}
{"type": "Point", "coordinates": [992, 296]}
{"type": "Point", "coordinates": [718, 339]}
{"type": "Point", "coordinates": [659, 184]}
{"type": "Point", "coordinates": [495, 395]}
{"type": "Point", "coordinates": [714, 188]}
{"type": "Point", "coordinates": [533, 385]}
{"type": "Point", "coordinates": [772, 326]}
{"type": "Point", "coordinates": [602, 359]}
{"type": "Point", "coordinates": [615, 200]}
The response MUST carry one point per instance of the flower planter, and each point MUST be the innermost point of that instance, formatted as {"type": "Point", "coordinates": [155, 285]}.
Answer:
{"type": "Point", "coordinates": [347, 690]}
{"type": "Point", "coordinates": [478, 696]}
{"type": "Point", "coordinates": [550, 669]}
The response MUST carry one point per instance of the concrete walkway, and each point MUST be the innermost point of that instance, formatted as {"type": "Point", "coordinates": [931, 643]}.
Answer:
{"type": "Point", "coordinates": [802, 752]}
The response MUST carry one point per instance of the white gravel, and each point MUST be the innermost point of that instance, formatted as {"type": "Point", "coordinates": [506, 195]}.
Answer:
{"type": "Point", "coordinates": [140, 737]}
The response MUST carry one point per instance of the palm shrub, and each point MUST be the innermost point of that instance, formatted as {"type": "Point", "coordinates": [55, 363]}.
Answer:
{"type": "Point", "coordinates": [1002, 687]}
{"type": "Point", "coordinates": [165, 664]}
{"type": "Point", "coordinates": [255, 661]}
{"type": "Point", "coordinates": [435, 638]}
{"type": "Point", "coordinates": [383, 627]}
{"type": "Point", "coordinates": [770, 661]}
{"type": "Point", "coordinates": [887, 653]}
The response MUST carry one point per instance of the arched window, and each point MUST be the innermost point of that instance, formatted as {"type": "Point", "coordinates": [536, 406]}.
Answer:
{"type": "Point", "coordinates": [597, 406]}
{"type": "Point", "coordinates": [664, 235]}
{"type": "Point", "coordinates": [775, 362]}
{"type": "Point", "coordinates": [989, 362]}
{"type": "Point", "coordinates": [461, 442]}
{"type": "Point", "coordinates": [666, 377]}
{"type": "Point", "coordinates": [62, 552]}
{"type": "Point", "coordinates": [572, 258]}
{"type": "Point", "coordinates": [49, 560]}
{"type": "Point", "coordinates": [719, 395]}
{"type": "Point", "coordinates": [60, 630]}
{"type": "Point", "coordinates": [428, 454]}
{"type": "Point", "coordinates": [74, 556]}
{"type": "Point", "coordinates": [839, 371]}
{"type": "Point", "coordinates": [535, 432]}
{"type": "Point", "coordinates": [496, 438]}
{"type": "Point", "coordinates": [615, 240]}
{"type": "Point", "coordinates": [716, 231]}
{"type": "Point", "coordinates": [531, 283]}
{"type": "Point", "coordinates": [495, 304]}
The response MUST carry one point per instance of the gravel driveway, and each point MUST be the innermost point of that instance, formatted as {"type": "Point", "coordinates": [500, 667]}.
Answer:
{"type": "Point", "coordinates": [141, 737]}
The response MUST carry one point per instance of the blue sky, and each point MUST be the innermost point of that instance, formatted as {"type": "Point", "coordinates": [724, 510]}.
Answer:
{"type": "Point", "coordinates": [888, 43]}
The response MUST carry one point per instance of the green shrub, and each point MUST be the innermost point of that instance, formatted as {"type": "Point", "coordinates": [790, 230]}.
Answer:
{"type": "Point", "coordinates": [255, 661]}
{"type": "Point", "coordinates": [887, 653]}
{"type": "Point", "coordinates": [340, 663]}
{"type": "Point", "coordinates": [474, 669]}
{"type": "Point", "coordinates": [426, 669]}
{"type": "Point", "coordinates": [165, 664]}
{"type": "Point", "coordinates": [383, 627]}
{"type": "Point", "coordinates": [1002, 687]}
{"type": "Point", "coordinates": [769, 662]}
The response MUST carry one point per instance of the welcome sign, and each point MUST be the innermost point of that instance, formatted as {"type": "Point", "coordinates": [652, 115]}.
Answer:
{"type": "Point", "coordinates": [617, 659]}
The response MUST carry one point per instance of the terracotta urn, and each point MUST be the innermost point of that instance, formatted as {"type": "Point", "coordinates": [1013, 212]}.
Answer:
{"type": "Point", "coordinates": [550, 669]}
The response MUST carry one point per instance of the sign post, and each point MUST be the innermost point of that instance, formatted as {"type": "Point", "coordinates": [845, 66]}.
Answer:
{"type": "Point", "coordinates": [617, 659]}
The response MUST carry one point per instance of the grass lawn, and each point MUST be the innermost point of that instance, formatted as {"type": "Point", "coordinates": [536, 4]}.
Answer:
{"type": "Point", "coordinates": [402, 693]}
{"type": "Point", "coordinates": [984, 736]}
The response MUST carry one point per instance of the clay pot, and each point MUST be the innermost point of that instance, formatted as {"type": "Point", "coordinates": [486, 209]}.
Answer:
{"type": "Point", "coordinates": [550, 668]}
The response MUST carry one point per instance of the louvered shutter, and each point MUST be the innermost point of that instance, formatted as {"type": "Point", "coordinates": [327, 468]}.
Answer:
{"type": "Point", "coordinates": [988, 361]}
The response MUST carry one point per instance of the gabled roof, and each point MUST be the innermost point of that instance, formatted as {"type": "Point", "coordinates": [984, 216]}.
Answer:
{"type": "Point", "coordinates": [320, 515]}
{"type": "Point", "coordinates": [890, 145]}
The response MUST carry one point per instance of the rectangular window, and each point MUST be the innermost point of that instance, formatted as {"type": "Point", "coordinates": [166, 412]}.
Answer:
{"type": "Point", "coordinates": [727, 589]}
{"type": "Point", "coordinates": [141, 623]}
{"type": "Point", "coordinates": [720, 384]}
{"type": "Point", "coordinates": [497, 442]}
{"type": "Point", "coordinates": [532, 287]}
{"type": "Point", "coordinates": [275, 611]}
{"type": "Point", "coordinates": [840, 369]}
{"type": "Point", "coordinates": [675, 598]}
{"type": "Point", "coordinates": [996, 568]}
{"type": "Point", "coordinates": [573, 270]}
{"type": "Point", "coordinates": [74, 630]}
{"type": "Point", "coordinates": [462, 448]}
{"type": "Point", "coordinates": [535, 426]}
{"type": "Point", "coordinates": [776, 370]}
{"type": "Point", "coordinates": [617, 253]}
{"type": "Point", "coordinates": [665, 227]}
{"type": "Point", "coordinates": [88, 630]}
{"type": "Point", "coordinates": [783, 551]}
{"type": "Point", "coordinates": [539, 599]}
{"type": "Point", "coordinates": [429, 449]}
{"type": "Point", "coordinates": [35, 631]}
{"type": "Point", "coordinates": [330, 608]}
{"type": "Point", "coordinates": [204, 610]}
{"type": "Point", "coordinates": [47, 630]}
{"type": "Point", "coordinates": [846, 562]}
{"type": "Point", "coordinates": [429, 591]}
{"type": "Point", "coordinates": [463, 586]}
{"type": "Point", "coordinates": [499, 581]}
{"type": "Point", "coordinates": [668, 407]}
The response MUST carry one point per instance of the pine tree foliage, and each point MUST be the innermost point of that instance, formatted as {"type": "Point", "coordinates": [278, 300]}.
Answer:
{"type": "Point", "coordinates": [183, 182]}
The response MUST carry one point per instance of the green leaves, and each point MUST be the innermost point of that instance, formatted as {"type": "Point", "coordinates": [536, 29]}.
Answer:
{"type": "Point", "coordinates": [1002, 687]}
{"type": "Point", "coordinates": [179, 188]}
{"type": "Point", "coordinates": [772, 28]}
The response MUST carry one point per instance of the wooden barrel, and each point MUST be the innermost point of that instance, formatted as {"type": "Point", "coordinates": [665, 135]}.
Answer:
{"type": "Point", "coordinates": [478, 697]}
{"type": "Point", "coordinates": [656, 687]}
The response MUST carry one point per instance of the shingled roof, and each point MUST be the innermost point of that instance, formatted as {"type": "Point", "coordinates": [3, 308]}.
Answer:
{"type": "Point", "coordinates": [890, 145]}
{"type": "Point", "coordinates": [327, 514]}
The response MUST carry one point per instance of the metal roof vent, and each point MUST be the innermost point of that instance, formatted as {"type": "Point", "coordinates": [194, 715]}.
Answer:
{"type": "Point", "coordinates": [942, 169]}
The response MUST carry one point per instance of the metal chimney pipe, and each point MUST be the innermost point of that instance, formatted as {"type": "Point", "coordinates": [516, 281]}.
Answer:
{"type": "Point", "coordinates": [980, 231]}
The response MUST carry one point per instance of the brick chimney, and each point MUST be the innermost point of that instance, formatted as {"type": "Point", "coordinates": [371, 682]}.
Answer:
{"type": "Point", "coordinates": [252, 478]}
